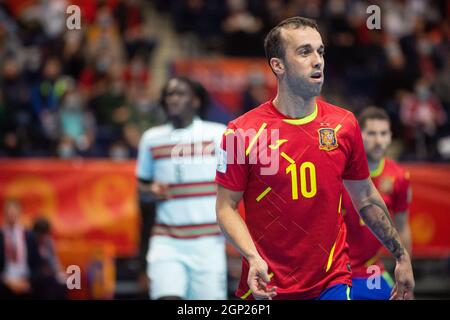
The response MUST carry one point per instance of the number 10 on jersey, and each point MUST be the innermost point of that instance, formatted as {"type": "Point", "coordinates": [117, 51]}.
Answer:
{"type": "Point", "coordinates": [307, 191]}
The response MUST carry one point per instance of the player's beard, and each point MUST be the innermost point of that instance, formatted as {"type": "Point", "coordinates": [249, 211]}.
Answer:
{"type": "Point", "coordinates": [302, 86]}
{"type": "Point", "coordinates": [375, 158]}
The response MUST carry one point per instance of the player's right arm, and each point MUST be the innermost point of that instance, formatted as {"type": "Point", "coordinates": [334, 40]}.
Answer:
{"type": "Point", "coordinates": [147, 187]}
{"type": "Point", "coordinates": [232, 179]}
{"type": "Point", "coordinates": [236, 232]}
{"type": "Point", "coordinates": [232, 223]}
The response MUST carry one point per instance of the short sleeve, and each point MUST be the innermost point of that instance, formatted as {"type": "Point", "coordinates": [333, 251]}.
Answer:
{"type": "Point", "coordinates": [144, 165]}
{"type": "Point", "coordinates": [356, 167]}
{"type": "Point", "coordinates": [232, 168]}
{"type": "Point", "coordinates": [403, 193]}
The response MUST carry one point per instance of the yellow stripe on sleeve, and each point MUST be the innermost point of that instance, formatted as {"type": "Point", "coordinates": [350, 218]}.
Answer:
{"type": "Point", "coordinates": [330, 257]}
{"type": "Point", "coordinates": [340, 204]}
{"type": "Point", "coordinates": [255, 138]}
{"type": "Point", "coordinates": [263, 194]}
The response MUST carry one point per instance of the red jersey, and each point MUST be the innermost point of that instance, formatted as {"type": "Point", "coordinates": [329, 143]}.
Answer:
{"type": "Point", "coordinates": [392, 182]}
{"type": "Point", "coordinates": [293, 211]}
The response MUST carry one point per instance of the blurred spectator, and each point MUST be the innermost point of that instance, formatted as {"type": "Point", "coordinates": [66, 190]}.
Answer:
{"type": "Point", "coordinates": [274, 11]}
{"type": "Point", "coordinates": [110, 57]}
{"type": "Point", "coordinates": [75, 123]}
{"type": "Point", "coordinates": [108, 106]}
{"type": "Point", "coordinates": [256, 92]}
{"type": "Point", "coordinates": [119, 151]}
{"type": "Point", "coordinates": [9, 40]}
{"type": "Point", "coordinates": [199, 21]}
{"type": "Point", "coordinates": [46, 95]}
{"type": "Point", "coordinates": [14, 99]}
{"type": "Point", "coordinates": [103, 37]}
{"type": "Point", "coordinates": [136, 74]}
{"type": "Point", "coordinates": [304, 8]}
{"type": "Point", "coordinates": [53, 16]}
{"type": "Point", "coordinates": [52, 283]}
{"type": "Point", "coordinates": [243, 31]}
{"type": "Point", "coordinates": [19, 256]}
{"type": "Point", "coordinates": [66, 148]}
{"type": "Point", "coordinates": [143, 113]}
{"type": "Point", "coordinates": [422, 114]}
{"type": "Point", "coordinates": [72, 54]}
{"type": "Point", "coordinates": [138, 38]}
{"type": "Point", "coordinates": [442, 86]}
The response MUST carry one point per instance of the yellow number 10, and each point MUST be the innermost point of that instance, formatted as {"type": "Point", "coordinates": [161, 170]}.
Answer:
{"type": "Point", "coordinates": [292, 168]}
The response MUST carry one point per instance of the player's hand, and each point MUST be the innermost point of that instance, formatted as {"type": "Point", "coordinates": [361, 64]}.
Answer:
{"type": "Point", "coordinates": [160, 191]}
{"type": "Point", "coordinates": [404, 279]}
{"type": "Point", "coordinates": [258, 280]}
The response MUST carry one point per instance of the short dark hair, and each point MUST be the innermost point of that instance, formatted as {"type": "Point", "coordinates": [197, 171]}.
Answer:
{"type": "Point", "coordinates": [372, 113]}
{"type": "Point", "coordinates": [273, 43]}
{"type": "Point", "coordinates": [197, 90]}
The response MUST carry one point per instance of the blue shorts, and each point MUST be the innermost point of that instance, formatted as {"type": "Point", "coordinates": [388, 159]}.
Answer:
{"type": "Point", "coordinates": [337, 292]}
{"type": "Point", "coordinates": [373, 289]}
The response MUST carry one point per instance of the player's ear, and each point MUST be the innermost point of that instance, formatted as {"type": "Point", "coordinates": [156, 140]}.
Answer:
{"type": "Point", "coordinates": [277, 65]}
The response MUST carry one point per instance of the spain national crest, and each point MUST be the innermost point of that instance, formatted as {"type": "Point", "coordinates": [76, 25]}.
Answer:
{"type": "Point", "coordinates": [327, 139]}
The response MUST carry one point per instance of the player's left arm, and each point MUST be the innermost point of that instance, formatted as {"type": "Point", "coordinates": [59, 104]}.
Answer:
{"type": "Point", "coordinates": [401, 220]}
{"type": "Point", "coordinates": [372, 209]}
{"type": "Point", "coordinates": [402, 201]}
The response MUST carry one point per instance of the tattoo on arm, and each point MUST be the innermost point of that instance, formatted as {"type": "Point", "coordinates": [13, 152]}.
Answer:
{"type": "Point", "coordinates": [377, 218]}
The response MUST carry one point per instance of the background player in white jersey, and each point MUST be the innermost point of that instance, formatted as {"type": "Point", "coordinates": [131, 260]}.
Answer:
{"type": "Point", "coordinates": [176, 170]}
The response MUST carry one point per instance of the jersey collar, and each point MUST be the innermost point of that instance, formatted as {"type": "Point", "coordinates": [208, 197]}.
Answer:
{"type": "Point", "coordinates": [297, 121]}
{"type": "Point", "coordinates": [378, 170]}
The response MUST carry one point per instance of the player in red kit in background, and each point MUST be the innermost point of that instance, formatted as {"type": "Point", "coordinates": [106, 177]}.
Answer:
{"type": "Point", "coordinates": [293, 236]}
{"type": "Point", "coordinates": [392, 181]}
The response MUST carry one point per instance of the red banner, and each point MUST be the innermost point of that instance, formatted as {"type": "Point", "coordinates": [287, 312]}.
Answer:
{"type": "Point", "coordinates": [430, 209]}
{"type": "Point", "coordinates": [90, 200]}
{"type": "Point", "coordinates": [226, 79]}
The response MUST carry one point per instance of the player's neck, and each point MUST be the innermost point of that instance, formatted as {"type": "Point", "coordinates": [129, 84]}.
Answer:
{"type": "Point", "coordinates": [373, 164]}
{"type": "Point", "coordinates": [293, 105]}
{"type": "Point", "coordinates": [180, 123]}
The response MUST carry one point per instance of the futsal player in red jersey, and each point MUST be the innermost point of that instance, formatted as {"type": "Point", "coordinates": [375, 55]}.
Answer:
{"type": "Point", "coordinates": [288, 159]}
{"type": "Point", "coordinates": [369, 278]}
